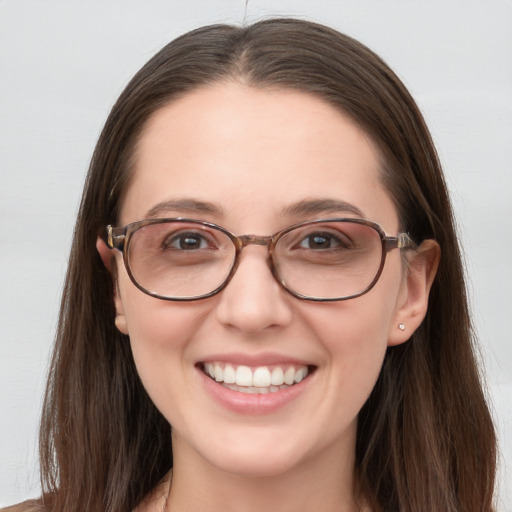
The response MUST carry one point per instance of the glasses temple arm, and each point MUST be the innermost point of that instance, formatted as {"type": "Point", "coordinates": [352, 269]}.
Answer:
{"type": "Point", "coordinates": [115, 237]}
{"type": "Point", "coordinates": [401, 241]}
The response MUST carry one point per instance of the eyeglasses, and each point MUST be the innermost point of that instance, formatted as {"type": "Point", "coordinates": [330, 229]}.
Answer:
{"type": "Point", "coordinates": [322, 260]}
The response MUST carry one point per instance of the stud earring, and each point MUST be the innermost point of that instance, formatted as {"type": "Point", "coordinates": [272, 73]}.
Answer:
{"type": "Point", "coordinates": [401, 327]}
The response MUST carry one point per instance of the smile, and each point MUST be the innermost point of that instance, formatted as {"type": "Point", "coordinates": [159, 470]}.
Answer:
{"type": "Point", "coordinates": [259, 380]}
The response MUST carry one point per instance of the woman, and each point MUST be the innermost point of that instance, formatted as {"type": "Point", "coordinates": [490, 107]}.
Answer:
{"type": "Point", "coordinates": [326, 367]}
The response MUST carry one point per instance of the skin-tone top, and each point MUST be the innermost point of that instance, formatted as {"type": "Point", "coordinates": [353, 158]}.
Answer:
{"type": "Point", "coordinates": [156, 500]}
{"type": "Point", "coordinates": [26, 506]}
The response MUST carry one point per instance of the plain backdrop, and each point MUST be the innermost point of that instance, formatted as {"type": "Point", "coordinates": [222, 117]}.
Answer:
{"type": "Point", "coordinates": [62, 65]}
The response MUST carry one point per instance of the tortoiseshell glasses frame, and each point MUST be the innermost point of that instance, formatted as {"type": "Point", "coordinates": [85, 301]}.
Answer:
{"type": "Point", "coordinates": [325, 260]}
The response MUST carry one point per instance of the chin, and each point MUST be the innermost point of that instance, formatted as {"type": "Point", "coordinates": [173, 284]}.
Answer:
{"type": "Point", "coordinates": [261, 453]}
{"type": "Point", "coordinates": [257, 465]}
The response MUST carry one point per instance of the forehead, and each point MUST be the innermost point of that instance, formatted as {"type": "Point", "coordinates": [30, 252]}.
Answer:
{"type": "Point", "coordinates": [252, 151]}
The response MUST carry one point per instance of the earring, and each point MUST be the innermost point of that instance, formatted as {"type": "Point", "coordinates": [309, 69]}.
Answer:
{"type": "Point", "coordinates": [401, 327]}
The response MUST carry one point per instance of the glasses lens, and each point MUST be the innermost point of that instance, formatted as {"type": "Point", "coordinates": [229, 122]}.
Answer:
{"type": "Point", "coordinates": [180, 259]}
{"type": "Point", "coordinates": [329, 259]}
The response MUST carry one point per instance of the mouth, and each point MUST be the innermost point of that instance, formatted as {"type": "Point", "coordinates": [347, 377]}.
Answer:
{"type": "Point", "coordinates": [258, 380]}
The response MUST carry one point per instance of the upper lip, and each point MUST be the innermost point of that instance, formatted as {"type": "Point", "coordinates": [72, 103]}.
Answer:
{"type": "Point", "coordinates": [261, 359]}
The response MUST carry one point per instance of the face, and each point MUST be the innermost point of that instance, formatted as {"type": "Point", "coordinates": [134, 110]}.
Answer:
{"type": "Point", "coordinates": [250, 156]}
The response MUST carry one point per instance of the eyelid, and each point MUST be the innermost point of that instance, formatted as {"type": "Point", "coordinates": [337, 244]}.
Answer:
{"type": "Point", "coordinates": [329, 229]}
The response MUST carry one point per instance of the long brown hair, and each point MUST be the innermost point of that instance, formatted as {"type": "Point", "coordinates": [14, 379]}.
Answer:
{"type": "Point", "coordinates": [425, 438]}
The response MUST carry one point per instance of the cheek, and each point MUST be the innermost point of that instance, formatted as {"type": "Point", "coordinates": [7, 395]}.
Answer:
{"type": "Point", "coordinates": [155, 325]}
{"type": "Point", "coordinates": [160, 332]}
{"type": "Point", "coordinates": [355, 327]}
{"type": "Point", "coordinates": [356, 343]}
{"type": "Point", "coordinates": [157, 343]}
{"type": "Point", "coordinates": [354, 335]}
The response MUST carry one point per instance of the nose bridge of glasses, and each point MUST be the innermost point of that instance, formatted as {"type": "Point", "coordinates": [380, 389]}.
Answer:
{"type": "Point", "coordinates": [262, 241]}
{"type": "Point", "coordinates": [254, 240]}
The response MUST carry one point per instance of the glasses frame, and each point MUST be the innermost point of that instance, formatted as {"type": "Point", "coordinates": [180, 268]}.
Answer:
{"type": "Point", "coordinates": [119, 238]}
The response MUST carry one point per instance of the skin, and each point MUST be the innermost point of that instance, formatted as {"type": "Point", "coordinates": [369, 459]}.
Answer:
{"type": "Point", "coordinates": [253, 153]}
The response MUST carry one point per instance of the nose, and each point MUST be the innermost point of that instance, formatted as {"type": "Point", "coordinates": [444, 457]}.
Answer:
{"type": "Point", "coordinates": [253, 301]}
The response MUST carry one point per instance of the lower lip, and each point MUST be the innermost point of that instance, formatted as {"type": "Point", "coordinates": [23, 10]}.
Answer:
{"type": "Point", "coordinates": [245, 403]}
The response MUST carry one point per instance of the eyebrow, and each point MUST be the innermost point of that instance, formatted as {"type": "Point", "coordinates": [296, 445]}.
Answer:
{"type": "Point", "coordinates": [184, 206]}
{"type": "Point", "coordinates": [322, 206]}
{"type": "Point", "coordinates": [302, 208]}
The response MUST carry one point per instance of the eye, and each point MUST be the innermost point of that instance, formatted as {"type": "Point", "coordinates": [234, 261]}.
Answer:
{"type": "Point", "coordinates": [321, 240]}
{"type": "Point", "coordinates": [187, 241]}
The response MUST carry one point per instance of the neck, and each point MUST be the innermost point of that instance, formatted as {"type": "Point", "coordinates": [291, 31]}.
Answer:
{"type": "Point", "coordinates": [324, 481]}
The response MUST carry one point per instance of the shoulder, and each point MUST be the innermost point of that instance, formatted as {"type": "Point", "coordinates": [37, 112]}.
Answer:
{"type": "Point", "coordinates": [157, 498]}
{"type": "Point", "coordinates": [26, 506]}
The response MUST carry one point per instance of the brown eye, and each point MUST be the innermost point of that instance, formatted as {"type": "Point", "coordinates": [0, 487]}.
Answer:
{"type": "Point", "coordinates": [318, 241]}
{"type": "Point", "coordinates": [186, 241]}
{"type": "Point", "coordinates": [323, 240]}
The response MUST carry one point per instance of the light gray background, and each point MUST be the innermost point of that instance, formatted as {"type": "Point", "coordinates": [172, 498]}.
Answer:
{"type": "Point", "coordinates": [62, 65]}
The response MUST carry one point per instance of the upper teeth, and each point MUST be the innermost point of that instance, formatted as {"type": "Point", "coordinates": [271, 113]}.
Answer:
{"type": "Point", "coordinates": [260, 377]}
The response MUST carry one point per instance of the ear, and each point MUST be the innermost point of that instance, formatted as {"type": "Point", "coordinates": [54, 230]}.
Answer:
{"type": "Point", "coordinates": [108, 259]}
{"type": "Point", "coordinates": [105, 253]}
{"type": "Point", "coordinates": [412, 302]}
